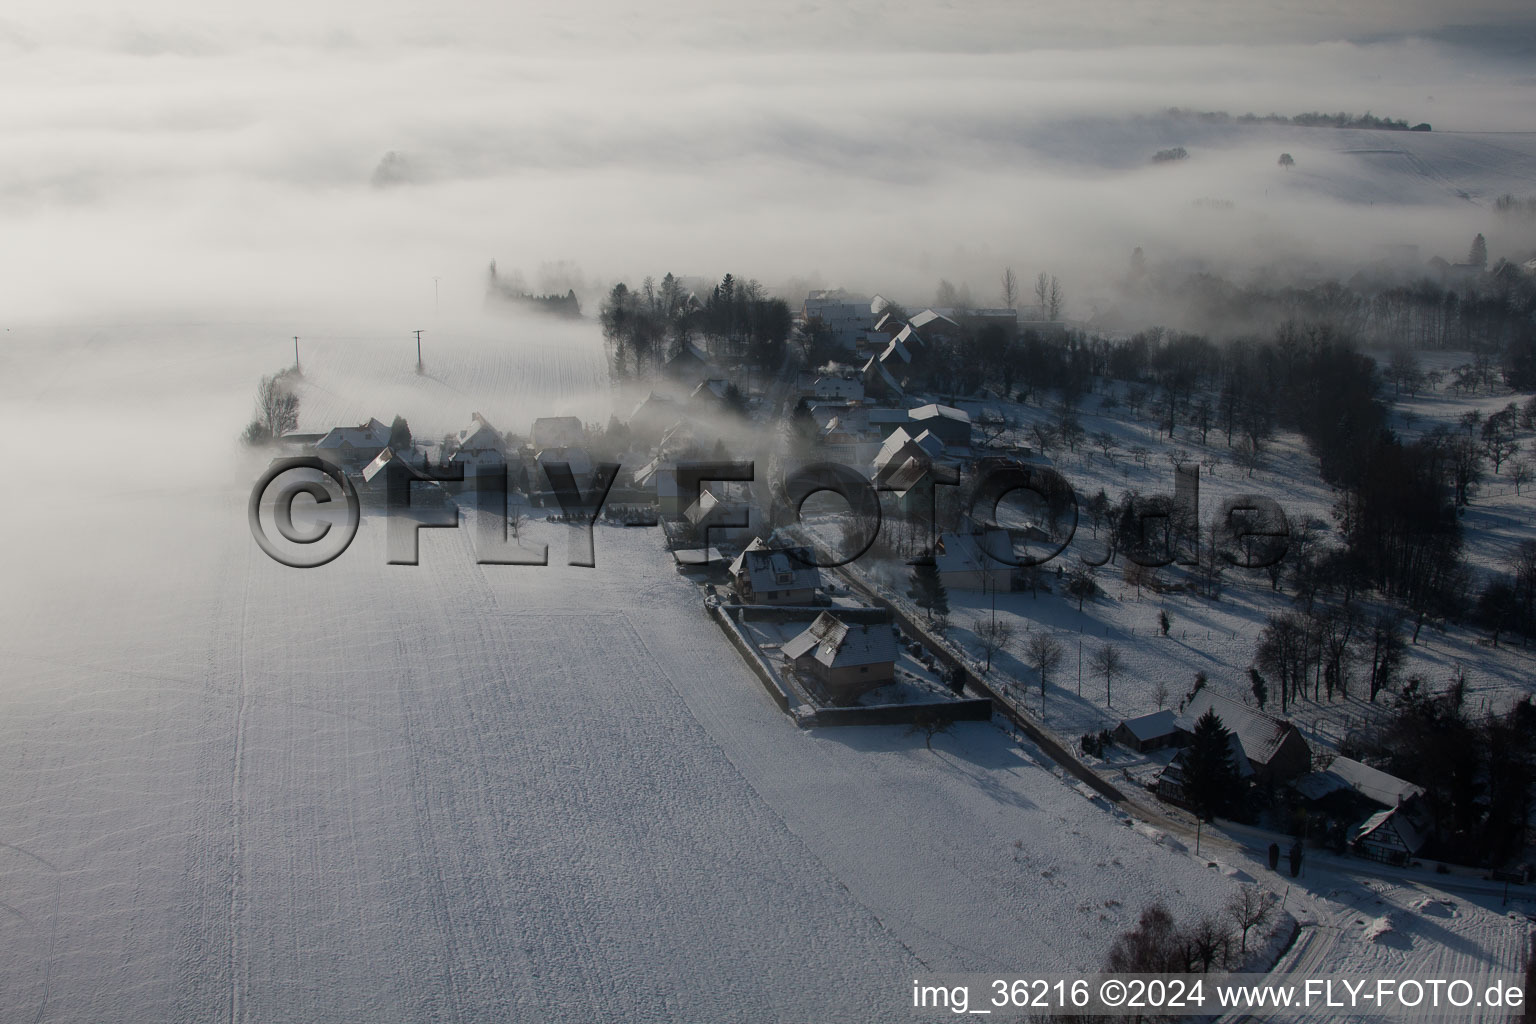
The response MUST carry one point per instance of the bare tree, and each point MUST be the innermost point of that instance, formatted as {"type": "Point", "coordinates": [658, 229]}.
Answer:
{"type": "Point", "coordinates": [1520, 473]}
{"type": "Point", "coordinates": [1108, 661]}
{"type": "Point", "coordinates": [1250, 907]}
{"type": "Point", "coordinates": [996, 635]}
{"type": "Point", "coordinates": [1044, 653]}
{"type": "Point", "coordinates": [1042, 292]}
{"type": "Point", "coordinates": [1054, 299]}
{"type": "Point", "coordinates": [929, 725]}
{"type": "Point", "coordinates": [1010, 288]}
{"type": "Point", "coordinates": [277, 409]}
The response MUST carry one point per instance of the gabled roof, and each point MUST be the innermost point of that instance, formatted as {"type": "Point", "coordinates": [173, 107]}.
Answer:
{"type": "Point", "coordinates": [1399, 822]}
{"type": "Point", "coordinates": [972, 552]}
{"type": "Point", "coordinates": [1154, 726]}
{"type": "Point", "coordinates": [1372, 783]}
{"type": "Point", "coordinates": [769, 569]}
{"type": "Point", "coordinates": [948, 412]}
{"type": "Point", "coordinates": [836, 644]}
{"type": "Point", "coordinates": [923, 441]}
{"type": "Point", "coordinates": [386, 457]}
{"type": "Point", "coordinates": [481, 436]}
{"type": "Point", "coordinates": [929, 317]}
{"type": "Point", "coordinates": [1260, 734]}
{"type": "Point", "coordinates": [372, 434]}
{"type": "Point", "coordinates": [896, 351]}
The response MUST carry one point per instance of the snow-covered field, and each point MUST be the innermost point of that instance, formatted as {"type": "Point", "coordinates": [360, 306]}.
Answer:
{"type": "Point", "coordinates": [234, 790]}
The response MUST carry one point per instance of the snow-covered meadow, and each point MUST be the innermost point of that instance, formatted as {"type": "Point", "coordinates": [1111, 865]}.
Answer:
{"type": "Point", "coordinates": [234, 790]}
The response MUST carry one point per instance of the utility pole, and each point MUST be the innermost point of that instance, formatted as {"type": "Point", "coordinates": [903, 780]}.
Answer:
{"type": "Point", "coordinates": [296, 354]}
{"type": "Point", "coordinates": [418, 351]}
{"type": "Point", "coordinates": [434, 295]}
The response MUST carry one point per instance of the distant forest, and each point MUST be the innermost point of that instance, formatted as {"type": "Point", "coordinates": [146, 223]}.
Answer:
{"type": "Point", "coordinates": [1315, 119]}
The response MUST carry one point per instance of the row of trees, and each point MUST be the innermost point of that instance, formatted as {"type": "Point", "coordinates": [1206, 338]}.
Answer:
{"type": "Point", "coordinates": [736, 320]}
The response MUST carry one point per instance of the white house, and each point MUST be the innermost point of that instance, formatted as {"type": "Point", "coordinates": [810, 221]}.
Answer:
{"type": "Point", "coordinates": [763, 575]}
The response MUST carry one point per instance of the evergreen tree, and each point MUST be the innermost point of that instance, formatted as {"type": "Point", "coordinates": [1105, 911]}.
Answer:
{"type": "Point", "coordinates": [400, 435]}
{"type": "Point", "coordinates": [928, 588]}
{"type": "Point", "coordinates": [1210, 777]}
{"type": "Point", "coordinates": [1478, 257]}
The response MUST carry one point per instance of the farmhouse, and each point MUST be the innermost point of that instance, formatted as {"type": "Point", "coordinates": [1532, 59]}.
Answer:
{"type": "Point", "coordinates": [846, 660]}
{"type": "Point", "coordinates": [1392, 836]}
{"type": "Point", "coordinates": [1275, 748]}
{"type": "Point", "coordinates": [766, 576]}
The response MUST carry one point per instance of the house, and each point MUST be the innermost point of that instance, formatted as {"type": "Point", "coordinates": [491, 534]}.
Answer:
{"type": "Point", "coordinates": [688, 365]}
{"type": "Point", "coordinates": [556, 432]}
{"type": "Point", "coordinates": [846, 318]}
{"type": "Point", "coordinates": [711, 395]}
{"type": "Point", "coordinates": [1172, 782]}
{"type": "Point", "coordinates": [1392, 836]}
{"type": "Point", "coordinates": [975, 561]}
{"type": "Point", "coordinates": [353, 447]}
{"type": "Point", "coordinates": [578, 459]}
{"type": "Point", "coordinates": [661, 475]}
{"type": "Point", "coordinates": [763, 575]}
{"type": "Point", "coordinates": [931, 322]}
{"type": "Point", "coordinates": [1149, 732]}
{"type": "Point", "coordinates": [846, 660]}
{"type": "Point", "coordinates": [879, 382]}
{"type": "Point", "coordinates": [1349, 789]}
{"type": "Point", "coordinates": [715, 518]}
{"type": "Point", "coordinates": [477, 444]}
{"type": "Point", "coordinates": [830, 388]}
{"type": "Point", "coordinates": [902, 447]}
{"type": "Point", "coordinates": [951, 425]}
{"type": "Point", "coordinates": [1275, 748]}
{"type": "Point", "coordinates": [653, 416]}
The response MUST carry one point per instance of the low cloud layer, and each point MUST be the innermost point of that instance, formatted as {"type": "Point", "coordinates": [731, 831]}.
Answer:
{"type": "Point", "coordinates": [309, 162]}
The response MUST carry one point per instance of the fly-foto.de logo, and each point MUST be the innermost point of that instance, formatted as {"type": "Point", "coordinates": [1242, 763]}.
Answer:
{"type": "Point", "coordinates": [1249, 531]}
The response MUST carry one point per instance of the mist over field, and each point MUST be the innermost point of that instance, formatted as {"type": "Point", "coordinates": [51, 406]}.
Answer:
{"type": "Point", "coordinates": [299, 162]}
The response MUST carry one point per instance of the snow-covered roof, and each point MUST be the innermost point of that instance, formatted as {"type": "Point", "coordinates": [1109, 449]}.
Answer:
{"type": "Point", "coordinates": [971, 552]}
{"type": "Point", "coordinates": [895, 350]}
{"type": "Point", "coordinates": [372, 434]}
{"type": "Point", "coordinates": [1399, 822]}
{"type": "Point", "coordinates": [837, 644]}
{"type": "Point", "coordinates": [481, 436]}
{"type": "Point", "coordinates": [948, 412]}
{"type": "Point", "coordinates": [902, 445]}
{"type": "Point", "coordinates": [769, 569]}
{"type": "Point", "coordinates": [1371, 783]}
{"type": "Point", "coordinates": [1260, 734]}
{"type": "Point", "coordinates": [929, 316]}
{"type": "Point", "coordinates": [1154, 726]}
